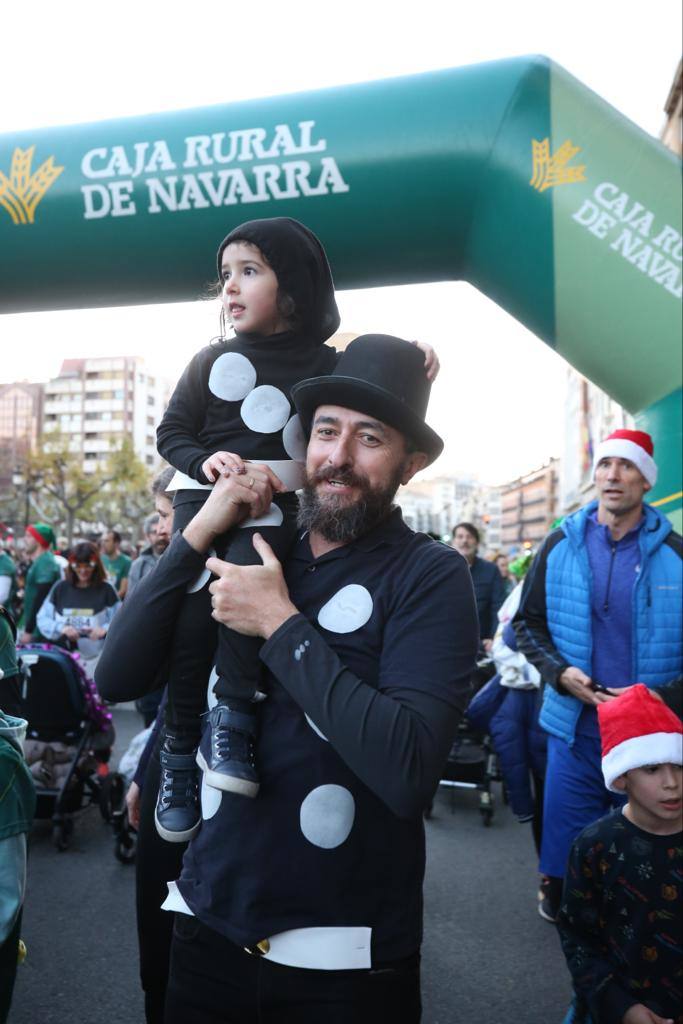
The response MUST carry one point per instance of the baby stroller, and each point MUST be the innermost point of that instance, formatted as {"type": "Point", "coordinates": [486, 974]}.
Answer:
{"type": "Point", "coordinates": [68, 740]}
{"type": "Point", "coordinates": [472, 764]}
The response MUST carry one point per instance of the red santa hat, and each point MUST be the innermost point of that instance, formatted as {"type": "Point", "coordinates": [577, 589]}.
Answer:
{"type": "Point", "coordinates": [637, 729]}
{"type": "Point", "coordinates": [634, 445]}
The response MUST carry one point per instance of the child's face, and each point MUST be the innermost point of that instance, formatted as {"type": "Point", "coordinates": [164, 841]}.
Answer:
{"type": "Point", "coordinates": [654, 796]}
{"type": "Point", "coordinates": [250, 290]}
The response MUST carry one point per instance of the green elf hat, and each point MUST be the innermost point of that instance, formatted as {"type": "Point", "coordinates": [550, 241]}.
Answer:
{"type": "Point", "coordinates": [42, 533]}
{"type": "Point", "coordinates": [520, 567]}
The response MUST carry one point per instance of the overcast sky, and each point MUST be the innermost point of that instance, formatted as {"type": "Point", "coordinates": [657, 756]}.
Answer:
{"type": "Point", "coordinates": [499, 399]}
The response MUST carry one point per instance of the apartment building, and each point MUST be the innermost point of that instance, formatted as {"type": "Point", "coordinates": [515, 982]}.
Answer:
{"type": "Point", "coordinates": [528, 506]}
{"type": "Point", "coordinates": [436, 505]}
{"type": "Point", "coordinates": [21, 412]}
{"type": "Point", "coordinates": [98, 402]}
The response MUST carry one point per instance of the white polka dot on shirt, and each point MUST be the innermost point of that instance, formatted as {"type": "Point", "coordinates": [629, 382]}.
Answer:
{"type": "Point", "coordinates": [210, 799]}
{"type": "Point", "coordinates": [203, 578]}
{"type": "Point", "coordinates": [327, 815]}
{"type": "Point", "coordinates": [265, 409]}
{"type": "Point", "coordinates": [349, 609]}
{"type": "Point", "coordinates": [273, 517]}
{"type": "Point", "coordinates": [315, 728]}
{"type": "Point", "coordinates": [294, 439]}
{"type": "Point", "coordinates": [211, 698]}
{"type": "Point", "coordinates": [232, 377]}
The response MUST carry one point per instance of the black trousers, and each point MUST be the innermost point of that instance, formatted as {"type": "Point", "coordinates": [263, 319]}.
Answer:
{"type": "Point", "coordinates": [213, 981]}
{"type": "Point", "coordinates": [239, 670]}
{"type": "Point", "coordinates": [156, 863]}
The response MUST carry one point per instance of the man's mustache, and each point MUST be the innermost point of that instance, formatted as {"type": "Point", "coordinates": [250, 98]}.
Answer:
{"type": "Point", "coordinates": [343, 476]}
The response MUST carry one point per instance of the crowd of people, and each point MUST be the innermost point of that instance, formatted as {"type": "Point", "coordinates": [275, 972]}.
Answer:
{"type": "Point", "coordinates": [305, 659]}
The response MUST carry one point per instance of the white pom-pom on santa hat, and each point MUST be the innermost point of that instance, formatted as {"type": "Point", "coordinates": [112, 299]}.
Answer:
{"type": "Point", "coordinates": [634, 445]}
{"type": "Point", "coordinates": [637, 729]}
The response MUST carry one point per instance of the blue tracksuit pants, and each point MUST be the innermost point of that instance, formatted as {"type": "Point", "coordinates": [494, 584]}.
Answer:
{"type": "Point", "coordinates": [575, 796]}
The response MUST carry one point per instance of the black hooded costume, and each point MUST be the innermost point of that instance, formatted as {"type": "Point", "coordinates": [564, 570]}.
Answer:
{"type": "Point", "coordinates": [235, 396]}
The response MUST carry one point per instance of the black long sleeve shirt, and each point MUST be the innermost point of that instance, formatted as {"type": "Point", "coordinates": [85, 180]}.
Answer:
{"type": "Point", "coordinates": [367, 685]}
{"type": "Point", "coordinates": [200, 420]}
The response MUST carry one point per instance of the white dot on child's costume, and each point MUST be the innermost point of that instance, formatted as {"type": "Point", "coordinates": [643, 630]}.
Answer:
{"type": "Point", "coordinates": [211, 698]}
{"type": "Point", "coordinates": [315, 728]}
{"type": "Point", "coordinates": [210, 798]}
{"type": "Point", "coordinates": [294, 439]}
{"type": "Point", "coordinates": [349, 609]}
{"type": "Point", "coordinates": [273, 517]}
{"type": "Point", "coordinates": [326, 816]}
{"type": "Point", "coordinates": [203, 577]}
{"type": "Point", "coordinates": [265, 409]}
{"type": "Point", "coordinates": [232, 377]}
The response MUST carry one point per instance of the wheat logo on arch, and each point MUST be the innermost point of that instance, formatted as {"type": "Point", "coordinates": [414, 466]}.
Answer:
{"type": "Point", "coordinates": [549, 171]}
{"type": "Point", "coordinates": [22, 191]}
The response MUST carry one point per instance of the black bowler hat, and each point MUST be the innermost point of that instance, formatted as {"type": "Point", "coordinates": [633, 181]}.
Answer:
{"type": "Point", "coordinates": [381, 376]}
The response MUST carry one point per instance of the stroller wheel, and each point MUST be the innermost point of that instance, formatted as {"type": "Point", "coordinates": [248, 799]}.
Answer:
{"type": "Point", "coordinates": [125, 848]}
{"type": "Point", "coordinates": [486, 807]}
{"type": "Point", "coordinates": [61, 833]}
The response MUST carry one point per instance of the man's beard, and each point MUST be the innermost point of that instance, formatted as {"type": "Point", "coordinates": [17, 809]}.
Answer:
{"type": "Point", "coordinates": [340, 521]}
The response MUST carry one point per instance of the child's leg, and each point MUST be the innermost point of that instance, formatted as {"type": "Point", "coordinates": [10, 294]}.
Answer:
{"type": "Point", "coordinates": [192, 650]}
{"type": "Point", "coordinates": [190, 660]}
{"type": "Point", "coordinates": [229, 751]}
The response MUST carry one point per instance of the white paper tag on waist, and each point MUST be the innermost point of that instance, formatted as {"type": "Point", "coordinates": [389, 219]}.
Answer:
{"type": "Point", "coordinates": [290, 472]}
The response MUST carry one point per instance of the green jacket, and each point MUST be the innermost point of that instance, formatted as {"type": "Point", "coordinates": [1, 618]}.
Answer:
{"type": "Point", "coordinates": [17, 793]}
{"type": "Point", "coordinates": [44, 571]}
{"type": "Point", "coordinates": [8, 651]}
{"type": "Point", "coordinates": [8, 568]}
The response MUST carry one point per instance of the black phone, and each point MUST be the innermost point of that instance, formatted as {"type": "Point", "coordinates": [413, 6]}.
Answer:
{"type": "Point", "coordinates": [599, 688]}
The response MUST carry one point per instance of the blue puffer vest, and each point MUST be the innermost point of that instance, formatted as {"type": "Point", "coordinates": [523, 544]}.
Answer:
{"type": "Point", "coordinates": [656, 607]}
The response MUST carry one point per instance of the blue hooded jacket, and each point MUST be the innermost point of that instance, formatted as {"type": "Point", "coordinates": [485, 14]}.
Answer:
{"type": "Point", "coordinates": [560, 582]}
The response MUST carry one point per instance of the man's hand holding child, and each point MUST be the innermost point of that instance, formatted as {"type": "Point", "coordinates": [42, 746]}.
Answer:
{"type": "Point", "coordinates": [251, 599]}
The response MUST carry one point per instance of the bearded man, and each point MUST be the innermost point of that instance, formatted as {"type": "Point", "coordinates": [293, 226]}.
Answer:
{"type": "Point", "coordinates": [305, 904]}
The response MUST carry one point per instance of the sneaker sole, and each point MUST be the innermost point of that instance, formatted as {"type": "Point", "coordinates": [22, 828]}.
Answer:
{"type": "Point", "coordinates": [176, 837]}
{"type": "Point", "coordinates": [227, 783]}
{"type": "Point", "coordinates": [546, 916]}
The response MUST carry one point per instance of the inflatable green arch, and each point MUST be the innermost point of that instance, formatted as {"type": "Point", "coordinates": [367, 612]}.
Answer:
{"type": "Point", "coordinates": [511, 175]}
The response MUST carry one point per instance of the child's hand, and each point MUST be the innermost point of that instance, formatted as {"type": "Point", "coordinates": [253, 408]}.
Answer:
{"type": "Point", "coordinates": [133, 804]}
{"type": "Point", "coordinates": [640, 1014]}
{"type": "Point", "coordinates": [222, 464]}
{"type": "Point", "coordinates": [432, 364]}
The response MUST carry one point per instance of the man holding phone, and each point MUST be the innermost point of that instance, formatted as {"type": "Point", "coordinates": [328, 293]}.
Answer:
{"type": "Point", "coordinates": [600, 611]}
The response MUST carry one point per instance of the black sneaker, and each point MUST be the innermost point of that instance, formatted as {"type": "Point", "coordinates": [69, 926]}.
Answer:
{"type": "Point", "coordinates": [227, 754]}
{"type": "Point", "coordinates": [549, 897]}
{"type": "Point", "coordinates": [177, 816]}
{"type": "Point", "coordinates": [547, 911]}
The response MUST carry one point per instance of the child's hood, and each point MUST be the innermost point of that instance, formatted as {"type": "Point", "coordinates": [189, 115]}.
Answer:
{"type": "Point", "coordinates": [301, 267]}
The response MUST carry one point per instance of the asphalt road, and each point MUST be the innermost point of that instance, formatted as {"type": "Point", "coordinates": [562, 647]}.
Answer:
{"type": "Point", "coordinates": [487, 956]}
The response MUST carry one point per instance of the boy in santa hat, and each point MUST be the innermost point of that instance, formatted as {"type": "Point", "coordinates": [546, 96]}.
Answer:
{"type": "Point", "coordinates": [620, 916]}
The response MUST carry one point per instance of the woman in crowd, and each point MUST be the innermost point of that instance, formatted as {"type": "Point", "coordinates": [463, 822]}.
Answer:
{"type": "Point", "coordinates": [78, 609]}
